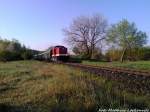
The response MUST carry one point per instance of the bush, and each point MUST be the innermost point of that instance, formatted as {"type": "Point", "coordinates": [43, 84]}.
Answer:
{"type": "Point", "coordinates": [142, 53]}
{"type": "Point", "coordinates": [5, 56]}
{"type": "Point", "coordinates": [13, 50]}
{"type": "Point", "coordinates": [113, 55]}
{"type": "Point", "coordinates": [26, 55]}
{"type": "Point", "coordinates": [9, 56]}
{"type": "Point", "coordinates": [145, 53]}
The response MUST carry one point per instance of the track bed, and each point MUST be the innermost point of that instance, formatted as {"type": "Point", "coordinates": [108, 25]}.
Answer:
{"type": "Point", "coordinates": [133, 80]}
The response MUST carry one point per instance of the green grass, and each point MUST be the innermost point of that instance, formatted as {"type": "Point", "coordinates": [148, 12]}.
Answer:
{"type": "Point", "coordinates": [138, 65]}
{"type": "Point", "coordinates": [33, 86]}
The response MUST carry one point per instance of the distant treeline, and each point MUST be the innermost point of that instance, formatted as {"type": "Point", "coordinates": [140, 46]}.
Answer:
{"type": "Point", "coordinates": [141, 53]}
{"type": "Point", "coordinates": [113, 54]}
{"type": "Point", "coordinates": [14, 50]}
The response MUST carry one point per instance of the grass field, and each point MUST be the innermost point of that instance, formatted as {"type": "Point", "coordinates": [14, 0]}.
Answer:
{"type": "Point", "coordinates": [33, 86]}
{"type": "Point", "coordinates": [138, 65]}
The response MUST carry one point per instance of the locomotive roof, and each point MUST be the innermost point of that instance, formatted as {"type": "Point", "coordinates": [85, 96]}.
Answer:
{"type": "Point", "coordinates": [59, 46]}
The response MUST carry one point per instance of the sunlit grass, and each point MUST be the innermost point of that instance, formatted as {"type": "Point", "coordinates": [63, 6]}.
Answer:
{"type": "Point", "coordinates": [138, 65]}
{"type": "Point", "coordinates": [32, 86]}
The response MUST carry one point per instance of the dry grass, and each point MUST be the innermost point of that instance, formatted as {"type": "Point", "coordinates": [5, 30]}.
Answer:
{"type": "Point", "coordinates": [32, 86]}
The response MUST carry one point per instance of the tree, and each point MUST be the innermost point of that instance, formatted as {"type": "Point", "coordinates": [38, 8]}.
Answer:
{"type": "Point", "coordinates": [13, 50]}
{"type": "Point", "coordinates": [85, 33]}
{"type": "Point", "coordinates": [76, 50]}
{"type": "Point", "coordinates": [126, 36]}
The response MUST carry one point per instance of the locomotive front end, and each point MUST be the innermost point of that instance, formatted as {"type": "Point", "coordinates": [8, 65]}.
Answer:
{"type": "Point", "coordinates": [60, 53]}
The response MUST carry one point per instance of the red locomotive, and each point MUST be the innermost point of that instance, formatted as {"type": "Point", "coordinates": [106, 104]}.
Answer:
{"type": "Point", "coordinates": [59, 53]}
{"type": "Point", "coordinates": [56, 53]}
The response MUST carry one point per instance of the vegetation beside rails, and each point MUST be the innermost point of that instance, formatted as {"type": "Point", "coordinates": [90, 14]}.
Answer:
{"type": "Point", "coordinates": [33, 86]}
{"type": "Point", "coordinates": [137, 65]}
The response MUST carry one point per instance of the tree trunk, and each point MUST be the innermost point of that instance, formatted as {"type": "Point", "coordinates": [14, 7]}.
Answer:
{"type": "Point", "coordinates": [123, 53]}
{"type": "Point", "coordinates": [92, 51]}
{"type": "Point", "coordinates": [87, 50]}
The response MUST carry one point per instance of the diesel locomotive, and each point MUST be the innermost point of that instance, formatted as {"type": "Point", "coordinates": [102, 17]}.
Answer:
{"type": "Point", "coordinates": [56, 53]}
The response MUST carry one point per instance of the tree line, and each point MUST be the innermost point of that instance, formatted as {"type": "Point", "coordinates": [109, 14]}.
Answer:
{"type": "Point", "coordinates": [13, 50]}
{"type": "Point", "coordinates": [88, 36]}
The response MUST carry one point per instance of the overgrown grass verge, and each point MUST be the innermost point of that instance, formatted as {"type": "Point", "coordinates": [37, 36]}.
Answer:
{"type": "Point", "coordinates": [32, 86]}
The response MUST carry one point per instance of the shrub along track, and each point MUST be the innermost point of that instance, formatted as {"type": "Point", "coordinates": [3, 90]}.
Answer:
{"type": "Point", "coordinates": [133, 80]}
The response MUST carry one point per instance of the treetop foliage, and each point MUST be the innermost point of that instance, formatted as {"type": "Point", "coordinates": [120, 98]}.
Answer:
{"type": "Point", "coordinates": [13, 50]}
{"type": "Point", "coordinates": [125, 34]}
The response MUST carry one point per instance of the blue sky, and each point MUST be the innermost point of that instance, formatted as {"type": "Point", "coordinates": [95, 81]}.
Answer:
{"type": "Point", "coordinates": [39, 23]}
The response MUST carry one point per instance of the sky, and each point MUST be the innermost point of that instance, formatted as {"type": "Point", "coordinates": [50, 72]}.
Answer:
{"type": "Point", "coordinates": [38, 23]}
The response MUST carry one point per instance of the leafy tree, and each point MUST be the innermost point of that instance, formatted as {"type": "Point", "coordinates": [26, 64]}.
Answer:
{"type": "Point", "coordinates": [126, 36]}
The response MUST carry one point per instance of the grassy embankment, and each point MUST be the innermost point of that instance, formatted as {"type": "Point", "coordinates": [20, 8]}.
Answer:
{"type": "Point", "coordinates": [137, 65]}
{"type": "Point", "coordinates": [32, 86]}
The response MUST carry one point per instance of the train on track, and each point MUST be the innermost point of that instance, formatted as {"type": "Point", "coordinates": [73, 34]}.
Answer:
{"type": "Point", "coordinates": [56, 53]}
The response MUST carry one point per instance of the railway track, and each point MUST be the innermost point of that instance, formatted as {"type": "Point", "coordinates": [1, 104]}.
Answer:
{"type": "Point", "coordinates": [114, 69]}
{"type": "Point", "coordinates": [134, 80]}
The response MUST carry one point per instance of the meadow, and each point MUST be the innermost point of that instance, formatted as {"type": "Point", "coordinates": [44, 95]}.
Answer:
{"type": "Point", "coordinates": [34, 86]}
{"type": "Point", "coordinates": [137, 65]}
